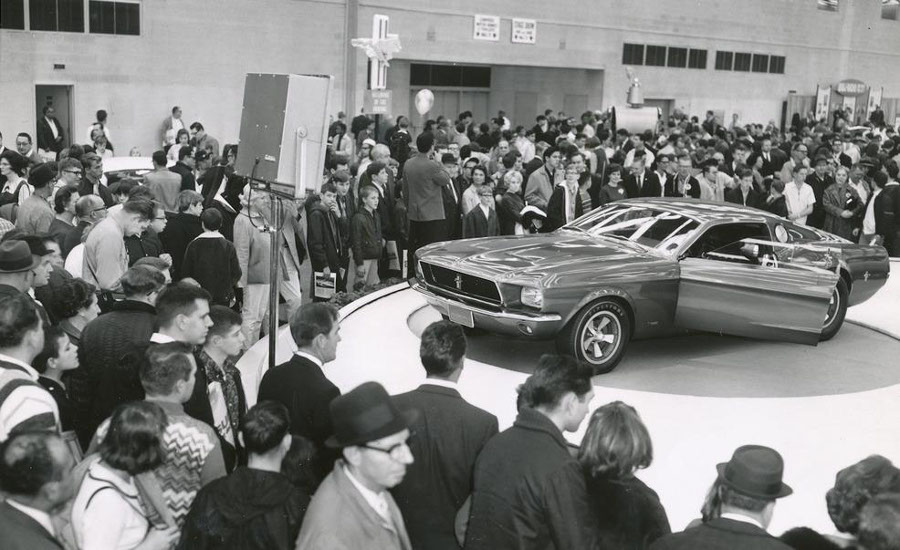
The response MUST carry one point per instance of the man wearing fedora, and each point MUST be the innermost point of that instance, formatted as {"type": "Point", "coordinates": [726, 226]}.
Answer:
{"type": "Point", "coordinates": [23, 266]}
{"type": "Point", "coordinates": [740, 506]}
{"type": "Point", "coordinates": [352, 508]}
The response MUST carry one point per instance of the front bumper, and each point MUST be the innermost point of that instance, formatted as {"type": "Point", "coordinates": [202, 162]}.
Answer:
{"type": "Point", "coordinates": [538, 326]}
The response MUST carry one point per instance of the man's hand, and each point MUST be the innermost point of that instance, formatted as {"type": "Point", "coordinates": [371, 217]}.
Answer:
{"type": "Point", "coordinates": [846, 214]}
{"type": "Point", "coordinates": [326, 271]}
{"type": "Point", "coordinates": [361, 272]}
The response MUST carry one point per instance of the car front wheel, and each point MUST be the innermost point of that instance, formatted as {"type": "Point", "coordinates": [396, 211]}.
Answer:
{"type": "Point", "coordinates": [837, 310]}
{"type": "Point", "coordinates": [598, 335]}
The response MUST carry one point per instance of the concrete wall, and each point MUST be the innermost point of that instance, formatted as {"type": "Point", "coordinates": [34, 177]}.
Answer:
{"type": "Point", "coordinates": [195, 54]}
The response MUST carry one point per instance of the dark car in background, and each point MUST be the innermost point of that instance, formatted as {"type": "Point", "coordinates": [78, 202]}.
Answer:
{"type": "Point", "coordinates": [647, 268]}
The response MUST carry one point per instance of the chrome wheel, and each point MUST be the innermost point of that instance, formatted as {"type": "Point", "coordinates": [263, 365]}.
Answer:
{"type": "Point", "coordinates": [600, 337]}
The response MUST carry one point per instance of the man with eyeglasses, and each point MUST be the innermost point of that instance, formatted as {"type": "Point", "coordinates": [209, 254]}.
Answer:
{"type": "Point", "coordinates": [799, 156]}
{"type": "Point", "coordinates": [25, 147]}
{"type": "Point", "coordinates": [352, 508]}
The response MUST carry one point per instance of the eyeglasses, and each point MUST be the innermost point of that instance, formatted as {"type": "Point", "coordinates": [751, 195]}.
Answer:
{"type": "Point", "coordinates": [76, 172]}
{"type": "Point", "coordinates": [162, 218]}
{"type": "Point", "coordinates": [98, 209]}
{"type": "Point", "coordinates": [397, 452]}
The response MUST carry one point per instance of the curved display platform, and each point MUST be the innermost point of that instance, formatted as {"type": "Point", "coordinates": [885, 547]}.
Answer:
{"type": "Point", "coordinates": [701, 396]}
{"type": "Point", "coordinates": [708, 365]}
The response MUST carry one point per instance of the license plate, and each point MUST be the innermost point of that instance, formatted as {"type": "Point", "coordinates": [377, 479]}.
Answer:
{"type": "Point", "coordinates": [461, 316]}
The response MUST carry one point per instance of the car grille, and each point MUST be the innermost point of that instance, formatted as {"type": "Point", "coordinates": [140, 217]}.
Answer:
{"type": "Point", "coordinates": [462, 284]}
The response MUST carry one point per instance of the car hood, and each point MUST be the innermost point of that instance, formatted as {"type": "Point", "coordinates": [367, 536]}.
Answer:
{"type": "Point", "coordinates": [536, 256]}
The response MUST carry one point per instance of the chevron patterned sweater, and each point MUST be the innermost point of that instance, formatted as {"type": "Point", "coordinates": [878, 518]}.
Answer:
{"type": "Point", "coordinates": [193, 459]}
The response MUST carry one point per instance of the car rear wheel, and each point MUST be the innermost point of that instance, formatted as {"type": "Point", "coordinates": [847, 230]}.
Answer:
{"type": "Point", "coordinates": [837, 310]}
{"type": "Point", "coordinates": [598, 335]}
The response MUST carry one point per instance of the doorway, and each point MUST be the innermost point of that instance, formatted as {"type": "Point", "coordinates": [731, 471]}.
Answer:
{"type": "Point", "coordinates": [60, 98]}
{"type": "Point", "coordinates": [665, 106]}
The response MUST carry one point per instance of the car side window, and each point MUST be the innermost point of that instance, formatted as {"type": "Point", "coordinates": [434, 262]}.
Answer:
{"type": "Point", "coordinates": [800, 233]}
{"type": "Point", "coordinates": [725, 234]}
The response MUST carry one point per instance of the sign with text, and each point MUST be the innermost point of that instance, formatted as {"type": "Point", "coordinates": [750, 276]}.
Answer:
{"type": "Point", "coordinates": [524, 31]}
{"type": "Point", "coordinates": [487, 27]}
{"type": "Point", "coordinates": [377, 102]}
{"type": "Point", "coordinates": [851, 88]}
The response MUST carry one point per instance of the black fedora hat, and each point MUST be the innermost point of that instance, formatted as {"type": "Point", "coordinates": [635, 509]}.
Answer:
{"type": "Point", "coordinates": [365, 414]}
{"type": "Point", "coordinates": [755, 471]}
{"type": "Point", "coordinates": [15, 257]}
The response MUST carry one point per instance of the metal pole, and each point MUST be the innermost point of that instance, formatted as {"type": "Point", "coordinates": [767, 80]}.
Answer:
{"type": "Point", "coordinates": [274, 278]}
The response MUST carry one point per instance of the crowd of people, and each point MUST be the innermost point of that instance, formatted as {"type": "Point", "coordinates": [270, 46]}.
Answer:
{"type": "Point", "coordinates": [126, 302]}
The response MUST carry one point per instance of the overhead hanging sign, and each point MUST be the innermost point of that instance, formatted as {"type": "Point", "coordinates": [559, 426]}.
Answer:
{"type": "Point", "coordinates": [487, 27]}
{"type": "Point", "coordinates": [524, 31]}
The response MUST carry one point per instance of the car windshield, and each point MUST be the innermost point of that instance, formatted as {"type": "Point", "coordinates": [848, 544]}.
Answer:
{"type": "Point", "coordinates": [650, 227]}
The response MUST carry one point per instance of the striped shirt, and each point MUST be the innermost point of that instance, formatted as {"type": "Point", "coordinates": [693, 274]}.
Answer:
{"type": "Point", "coordinates": [24, 403]}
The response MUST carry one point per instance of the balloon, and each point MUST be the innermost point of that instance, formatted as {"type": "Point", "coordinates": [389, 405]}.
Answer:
{"type": "Point", "coordinates": [424, 101]}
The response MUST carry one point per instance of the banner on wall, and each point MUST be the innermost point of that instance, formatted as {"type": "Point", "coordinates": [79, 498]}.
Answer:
{"type": "Point", "coordinates": [823, 102]}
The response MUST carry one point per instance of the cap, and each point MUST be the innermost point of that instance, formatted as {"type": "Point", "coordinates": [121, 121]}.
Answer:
{"type": "Point", "coordinates": [201, 155]}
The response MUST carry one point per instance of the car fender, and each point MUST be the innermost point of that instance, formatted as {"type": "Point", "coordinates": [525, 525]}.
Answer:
{"type": "Point", "coordinates": [602, 293]}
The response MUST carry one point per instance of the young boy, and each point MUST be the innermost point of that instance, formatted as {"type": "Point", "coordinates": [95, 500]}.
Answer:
{"type": "Point", "coordinates": [366, 240]}
{"type": "Point", "coordinates": [218, 397]}
{"type": "Point", "coordinates": [482, 221]}
{"type": "Point", "coordinates": [211, 260]}
{"type": "Point", "coordinates": [324, 240]}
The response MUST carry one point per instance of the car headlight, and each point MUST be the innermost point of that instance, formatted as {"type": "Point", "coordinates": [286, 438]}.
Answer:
{"type": "Point", "coordinates": [532, 297]}
{"type": "Point", "coordinates": [419, 273]}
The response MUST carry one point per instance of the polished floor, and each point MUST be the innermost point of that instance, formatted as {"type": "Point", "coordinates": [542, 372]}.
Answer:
{"type": "Point", "coordinates": [822, 407]}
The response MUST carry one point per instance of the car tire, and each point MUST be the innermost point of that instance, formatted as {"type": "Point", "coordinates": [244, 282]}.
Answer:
{"type": "Point", "coordinates": [837, 310]}
{"type": "Point", "coordinates": [597, 335]}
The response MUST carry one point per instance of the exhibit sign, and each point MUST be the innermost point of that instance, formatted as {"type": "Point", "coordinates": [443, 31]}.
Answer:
{"type": "Point", "coordinates": [524, 31]}
{"type": "Point", "coordinates": [377, 102]}
{"type": "Point", "coordinates": [823, 102]}
{"type": "Point", "coordinates": [487, 27]}
{"type": "Point", "coordinates": [851, 88]}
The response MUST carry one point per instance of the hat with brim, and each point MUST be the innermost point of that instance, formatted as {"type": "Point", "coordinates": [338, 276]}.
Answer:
{"type": "Point", "coordinates": [367, 413]}
{"type": "Point", "coordinates": [755, 471]}
{"type": "Point", "coordinates": [16, 257]}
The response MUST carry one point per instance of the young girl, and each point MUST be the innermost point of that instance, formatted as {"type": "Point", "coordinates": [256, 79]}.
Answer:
{"type": "Point", "coordinates": [58, 356]}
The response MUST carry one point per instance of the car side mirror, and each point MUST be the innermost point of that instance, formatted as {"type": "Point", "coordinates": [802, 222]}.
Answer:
{"type": "Point", "coordinates": [750, 251]}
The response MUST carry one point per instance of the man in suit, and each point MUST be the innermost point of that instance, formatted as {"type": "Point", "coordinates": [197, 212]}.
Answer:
{"type": "Point", "coordinates": [26, 148]}
{"type": "Point", "coordinates": [50, 132]}
{"type": "Point", "coordinates": [171, 125]}
{"type": "Point", "coordinates": [837, 152]}
{"type": "Point", "coordinates": [663, 172]}
{"type": "Point", "coordinates": [301, 386]}
{"type": "Point", "coordinates": [482, 220]}
{"type": "Point", "coordinates": [683, 184]}
{"type": "Point", "coordinates": [641, 181]}
{"type": "Point", "coordinates": [450, 434]}
{"type": "Point", "coordinates": [424, 187]}
{"type": "Point", "coordinates": [773, 158]}
{"type": "Point", "coordinates": [36, 477]}
{"type": "Point", "coordinates": [452, 195]}
{"type": "Point", "coordinates": [744, 193]}
{"type": "Point", "coordinates": [747, 488]}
